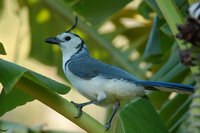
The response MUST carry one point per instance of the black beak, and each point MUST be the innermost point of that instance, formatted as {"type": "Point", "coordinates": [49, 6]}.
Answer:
{"type": "Point", "coordinates": [53, 40]}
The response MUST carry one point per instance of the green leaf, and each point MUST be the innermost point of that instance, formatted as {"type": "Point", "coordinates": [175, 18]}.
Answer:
{"type": "Point", "coordinates": [166, 30]}
{"type": "Point", "coordinates": [158, 43]}
{"type": "Point", "coordinates": [137, 32]}
{"type": "Point", "coordinates": [154, 6]}
{"type": "Point", "coordinates": [173, 18]}
{"type": "Point", "coordinates": [12, 100]}
{"type": "Point", "coordinates": [1, 6]}
{"type": "Point", "coordinates": [174, 109]}
{"type": "Point", "coordinates": [88, 9]}
{"type": "Point", "coordinates": [158, 98]}
{"type": "Point", "coordinates": [118, 127]}
{"type": "Point", "coordinates": [41, 18]}
{"type": "Point", "coordinates": [153, 49]}
{"type": "Point", "coordinates": [172, 70]}
{"type": "Point", "coordinates": [140, 117]}
{"type": "Point", "coordinates": [172, 106]}
{"type": "Point", "coordinates": [173, 74]}
{"type": "Point", "coordinates": [144, 10]}
{"type": "Point", "coordinates": [11, 75]}
{"type": "Point", "coordinates": [2, 50]}
{"type": "Point", "coordinates": [169, 64]}
{"type": "Point", "coordinates": [179, 116]}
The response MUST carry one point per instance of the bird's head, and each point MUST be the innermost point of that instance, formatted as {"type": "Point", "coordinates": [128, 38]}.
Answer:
{"type": "Point", "coordinates": [194, 11]}
{"type": "Point", "coordinates": [69, 42]}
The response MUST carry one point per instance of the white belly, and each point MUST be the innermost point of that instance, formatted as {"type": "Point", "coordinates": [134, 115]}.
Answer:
{"type": "Point", "coordinates": [113, 88]}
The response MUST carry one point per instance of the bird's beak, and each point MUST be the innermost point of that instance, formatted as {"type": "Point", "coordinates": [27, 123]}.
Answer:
{"type": "Point", "coordinates": [53, 40]}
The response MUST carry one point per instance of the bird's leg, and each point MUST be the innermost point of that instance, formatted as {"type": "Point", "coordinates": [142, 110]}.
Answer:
{"type": "Point", "coordinates": [81, 105]}
{"type": "Point", "coordinates": [101, 96]}
{"type": "Point", "coordinates": [145, 96]}
{"type": "Point", "coordinates": [115, 108]}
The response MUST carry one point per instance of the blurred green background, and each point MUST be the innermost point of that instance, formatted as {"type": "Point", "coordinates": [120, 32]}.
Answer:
{"type": "Point", "coordinates": [132, 35]}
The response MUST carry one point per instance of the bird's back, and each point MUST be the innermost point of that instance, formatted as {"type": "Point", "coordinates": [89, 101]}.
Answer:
{"type": "Point", "coordinates": [87, 68]}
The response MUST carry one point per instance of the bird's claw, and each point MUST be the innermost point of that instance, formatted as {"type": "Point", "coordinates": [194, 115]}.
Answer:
{"type": "Point", "coordinates": [79, 107]}
{"type": "Point", "coordinates": [107, 126]}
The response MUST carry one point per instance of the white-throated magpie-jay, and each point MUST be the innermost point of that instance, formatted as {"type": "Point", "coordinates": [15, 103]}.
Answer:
{"type": "Point", "coordinates": [99, 82]}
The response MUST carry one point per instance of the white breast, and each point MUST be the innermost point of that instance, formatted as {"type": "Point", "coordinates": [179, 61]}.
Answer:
{"type": "Point", "coordinates": [113, 88]}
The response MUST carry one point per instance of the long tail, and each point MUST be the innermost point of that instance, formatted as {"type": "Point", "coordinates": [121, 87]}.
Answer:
{"type": "Point", "coordinates": [167, 86]}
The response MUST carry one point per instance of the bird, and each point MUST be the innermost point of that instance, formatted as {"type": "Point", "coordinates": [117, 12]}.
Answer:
{"type": "Point", "coordinates": [101, 83]}
{"type": "Point", "coordinates": [194, 11]}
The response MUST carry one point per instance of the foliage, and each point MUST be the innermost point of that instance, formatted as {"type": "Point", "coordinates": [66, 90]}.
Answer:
{"type": "Point", "coordinates": [150, 48]}
{"type": "Point", "coordinates": [19, 76]}
{"type": "Point", "coordinates": [2, 50]}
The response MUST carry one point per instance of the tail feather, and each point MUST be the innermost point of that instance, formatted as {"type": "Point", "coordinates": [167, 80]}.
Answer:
{"type": "Point", "coordinates": [167, 86]}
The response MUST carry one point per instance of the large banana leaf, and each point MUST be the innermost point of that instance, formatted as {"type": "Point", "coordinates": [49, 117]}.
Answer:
{"type": "Point", "coordinates": [139, 114]}
{"type": "Point", "coordinates": [12, 75]}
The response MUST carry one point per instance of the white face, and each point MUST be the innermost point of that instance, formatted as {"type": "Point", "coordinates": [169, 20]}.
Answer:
{"type": "Point", "coordinates": [194, 10]}
{"type": "Point", "coordinates": [69, 40]}
{"type": "Point", "coordinates": [69, 44]}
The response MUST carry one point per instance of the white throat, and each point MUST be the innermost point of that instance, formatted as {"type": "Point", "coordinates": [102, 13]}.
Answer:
{"type": "Point", "coordinates": [66, 55]}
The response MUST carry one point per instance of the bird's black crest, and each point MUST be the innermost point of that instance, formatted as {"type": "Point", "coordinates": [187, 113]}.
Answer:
{"type": "Point", "coordinates": [74, 26]}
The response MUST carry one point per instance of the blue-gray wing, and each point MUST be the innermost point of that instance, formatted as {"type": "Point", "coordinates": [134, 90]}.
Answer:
{"type": "Point", "coordinates": [87, 68]}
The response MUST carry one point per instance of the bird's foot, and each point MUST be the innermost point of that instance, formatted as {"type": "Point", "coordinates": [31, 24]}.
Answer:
{"type": "Point", "coordinates": [79, 107]}
{"type": "Point", "coordinates": [107, 126]}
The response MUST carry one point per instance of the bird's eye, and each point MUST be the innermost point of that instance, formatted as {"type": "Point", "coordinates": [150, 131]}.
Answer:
{"type": "Point", "coordinates": [67, 38]}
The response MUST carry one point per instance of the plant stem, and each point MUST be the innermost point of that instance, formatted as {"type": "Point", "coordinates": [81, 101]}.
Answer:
{"type": "Point", "coordinates": [60, 105]}
{"type": "Point", "coordinates": [173, 17]}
